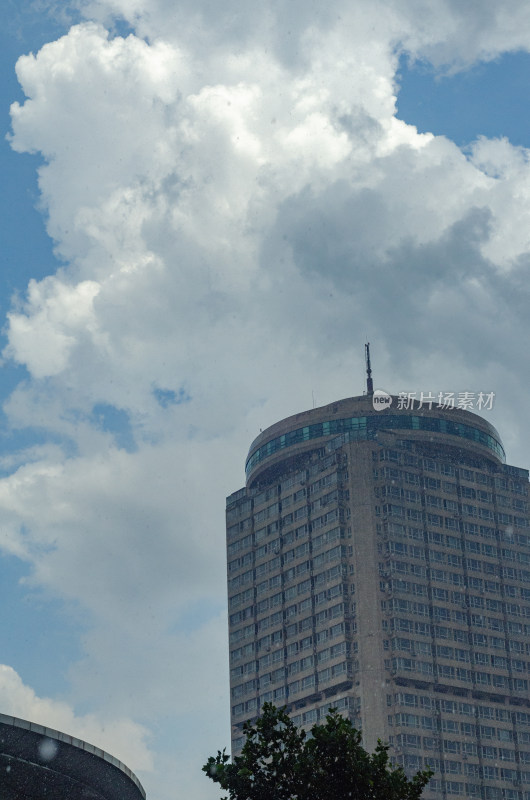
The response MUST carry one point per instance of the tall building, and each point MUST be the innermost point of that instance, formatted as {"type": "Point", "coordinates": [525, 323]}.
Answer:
{"type": "Point", "coordinates": [379, 563]}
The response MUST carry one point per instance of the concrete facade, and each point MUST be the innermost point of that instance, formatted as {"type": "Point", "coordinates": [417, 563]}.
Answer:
{"type": "Point", "coordinates": [379, 563]}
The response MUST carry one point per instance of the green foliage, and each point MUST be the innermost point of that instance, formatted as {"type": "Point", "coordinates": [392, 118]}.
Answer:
{"type": "Point", "coordinates": [279, 762]}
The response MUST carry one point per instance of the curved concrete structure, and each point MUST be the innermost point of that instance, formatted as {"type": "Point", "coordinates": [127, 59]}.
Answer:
{"type": "Point", "coordinates": [40, 763]}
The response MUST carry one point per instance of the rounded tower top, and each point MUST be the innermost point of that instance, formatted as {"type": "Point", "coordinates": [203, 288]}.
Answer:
{"type": "Point", "coordinates": [362, 418]}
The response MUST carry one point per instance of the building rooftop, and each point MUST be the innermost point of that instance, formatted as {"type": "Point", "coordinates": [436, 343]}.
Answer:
{"type": "Point", "coordinates": [357, 417]}
{"type": "Point", "coordinates": [39, 762]}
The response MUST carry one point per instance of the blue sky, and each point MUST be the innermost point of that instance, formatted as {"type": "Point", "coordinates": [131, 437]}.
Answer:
{"type": "Point", "coordinates": [490, 99]}
{"type": "Point", "coordinates": [27, 251]}
{"type": "Point", "coordinates": [36, 630]}
{"type": "Point", "coordinates": [204, 213]}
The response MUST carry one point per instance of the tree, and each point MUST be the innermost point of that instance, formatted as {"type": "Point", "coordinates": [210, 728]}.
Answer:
{"type": "Point", "coordinates": [280, 762]}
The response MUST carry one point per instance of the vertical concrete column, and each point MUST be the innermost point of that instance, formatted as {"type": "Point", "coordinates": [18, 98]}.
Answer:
{"type": "Point", "coordinates": [371, 676]}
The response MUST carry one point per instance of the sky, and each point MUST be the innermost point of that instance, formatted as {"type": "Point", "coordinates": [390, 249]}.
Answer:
{"type": "Point", "coordinates": [206, 210]}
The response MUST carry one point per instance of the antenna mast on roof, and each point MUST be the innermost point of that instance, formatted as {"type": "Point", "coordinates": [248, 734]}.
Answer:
{"type": "Point", "coordinates": [369, 382]}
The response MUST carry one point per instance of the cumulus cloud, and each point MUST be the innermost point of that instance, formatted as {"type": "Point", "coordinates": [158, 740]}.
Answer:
{"type": "Point", "coordinates": [236, 207]}
{"type": "Point", "coordinates": [55, 310]}
{"type": "Point", "coordinates": [449, 34]}
{"type": "Point", "coordinates": [119, 531]}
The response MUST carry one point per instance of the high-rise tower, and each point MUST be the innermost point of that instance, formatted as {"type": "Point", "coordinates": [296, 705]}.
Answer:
{"type": "Point", "coordinates": [379, 563]}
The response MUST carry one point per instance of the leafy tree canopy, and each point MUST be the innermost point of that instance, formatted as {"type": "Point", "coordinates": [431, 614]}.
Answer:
{"type": "Point", "coordinates": [280, 762]}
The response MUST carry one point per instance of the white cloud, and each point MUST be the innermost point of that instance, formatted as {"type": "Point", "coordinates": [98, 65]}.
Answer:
{"type": "Point", "coordinates": [59, 314]}
{"type": "Point", "coordinates": [237, 208]}
{"type": "Point", "coordinates": [446, 32]}
{"type": "Point", "coordinates": [124, 533]}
